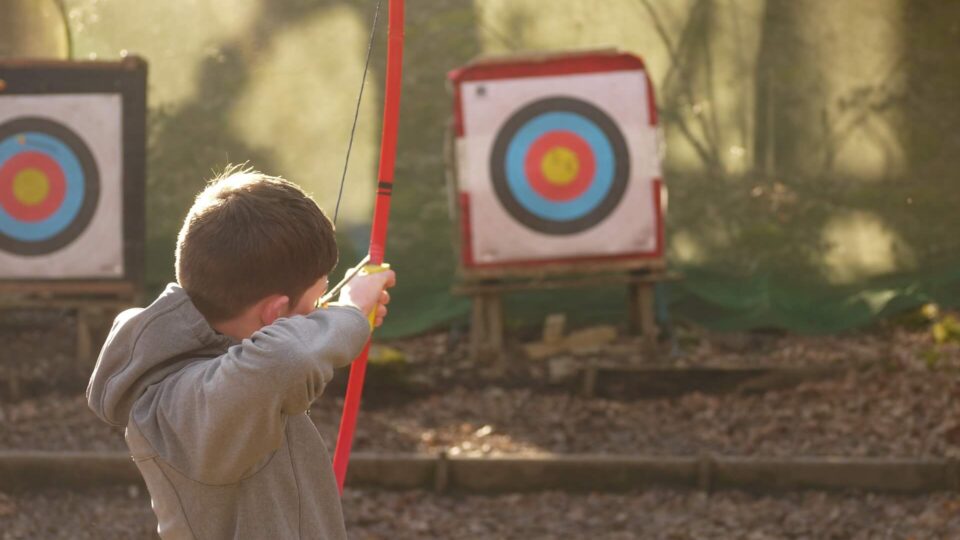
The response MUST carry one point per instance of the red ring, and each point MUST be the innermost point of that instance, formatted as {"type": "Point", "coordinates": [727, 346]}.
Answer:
{"type": "Point", "coordinates": [548, 141]}
{"type": "Point", "coordinates": [46, 207]}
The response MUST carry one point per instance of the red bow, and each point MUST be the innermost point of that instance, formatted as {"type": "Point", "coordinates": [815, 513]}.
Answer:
{"type": "Point", "coordinates": [378, 232]}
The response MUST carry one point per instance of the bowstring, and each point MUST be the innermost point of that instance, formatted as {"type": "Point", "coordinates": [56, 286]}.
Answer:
{"type": "Point", "coordinates": [356, 113]}
{"type": "Point", "coordinates": [353, 129]}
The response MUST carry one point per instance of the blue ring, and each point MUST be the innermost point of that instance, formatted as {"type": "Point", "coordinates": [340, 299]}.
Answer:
{"type": "Point", "coordinates": [74, 189]}
{"type": "Point", "coordinates": [520, 186]}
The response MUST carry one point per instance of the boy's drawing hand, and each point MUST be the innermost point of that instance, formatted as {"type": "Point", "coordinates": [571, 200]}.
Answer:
{"type": "Point", "coordinates": [368, 292]}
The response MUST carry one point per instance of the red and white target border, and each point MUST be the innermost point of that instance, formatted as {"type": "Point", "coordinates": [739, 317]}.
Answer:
{"type": "Point", "coordinates": [545, 66]}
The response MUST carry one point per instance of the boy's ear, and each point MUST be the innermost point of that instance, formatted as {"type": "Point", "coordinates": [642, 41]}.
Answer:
{"type": "Point", "coordinates": [273, 307]}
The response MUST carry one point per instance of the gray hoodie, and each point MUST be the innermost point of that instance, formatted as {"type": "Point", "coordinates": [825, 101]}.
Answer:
{"type": "Point", "coordinates": [219, 429]}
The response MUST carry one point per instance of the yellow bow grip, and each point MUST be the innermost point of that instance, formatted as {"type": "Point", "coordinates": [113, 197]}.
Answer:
{"type": "Point", "coordinates": [374, 269]}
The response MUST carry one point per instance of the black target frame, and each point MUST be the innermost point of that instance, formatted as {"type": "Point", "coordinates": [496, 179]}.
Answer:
{"type": "Point", "coordinates": [128, 79]}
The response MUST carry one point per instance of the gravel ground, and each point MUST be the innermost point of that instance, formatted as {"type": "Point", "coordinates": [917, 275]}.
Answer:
{"type": "Point", "coordinates": [899, 413]}
{"type": "Point", "coordinates": [125, 513]}
{"type": "Point", "coordinates": [898, 398]}
{"type": "Point", "coordinates": [863, 414]}
{"type": "Point", "coordinates": [37, 353]}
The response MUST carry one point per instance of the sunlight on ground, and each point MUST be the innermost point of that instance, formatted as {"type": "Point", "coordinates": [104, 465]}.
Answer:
{"type": "Point", "coordinates": [300, 106]}
{"type": "Point", "coordinates": [473, 440]}
{"type": "Point", "coordinates": [859, 246]}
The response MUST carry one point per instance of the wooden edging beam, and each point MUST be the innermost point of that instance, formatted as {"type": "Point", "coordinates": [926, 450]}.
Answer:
{"type": "Point", "coordinates": [581, 472]}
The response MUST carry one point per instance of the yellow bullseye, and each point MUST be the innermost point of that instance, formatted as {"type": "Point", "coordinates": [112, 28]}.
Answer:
{"type": "Point", "coordinates": [560, 166]}
{"type": "Point", "coordinates": [30, 186]}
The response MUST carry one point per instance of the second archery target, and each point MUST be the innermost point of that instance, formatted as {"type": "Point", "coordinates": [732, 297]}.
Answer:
{"type": "Point", "coordinates": [557, 161]}
{"type": "Point", "coordinates": [49, 185]}
{"type": "Point", "coordinates": [71, 174]}
{"type": "Point", "coordinates": [61, 189]}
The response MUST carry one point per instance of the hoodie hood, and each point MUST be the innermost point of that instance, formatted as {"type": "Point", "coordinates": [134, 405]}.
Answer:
{"type": "Point", "coordinates": [139, 352]}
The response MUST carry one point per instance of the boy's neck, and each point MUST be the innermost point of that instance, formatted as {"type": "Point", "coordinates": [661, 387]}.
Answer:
{"type": "Point", "coordinates": [262, 313]}
{"type": "Point", "coordinates": [253, 318]}
{"type": "Point", "coordinates": [237, 328]}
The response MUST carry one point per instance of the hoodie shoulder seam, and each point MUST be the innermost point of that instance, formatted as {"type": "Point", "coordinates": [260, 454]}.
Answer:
{"type": "Point", "coordinates": [173, 486]}
{"type": "Point", "coordinates": [136, 340]}
{"type": "Point", "coordinates": [160, 458]}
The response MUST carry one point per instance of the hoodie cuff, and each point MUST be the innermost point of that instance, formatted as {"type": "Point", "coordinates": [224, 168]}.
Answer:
{"type": "Point", "coordinates": [348, 312]}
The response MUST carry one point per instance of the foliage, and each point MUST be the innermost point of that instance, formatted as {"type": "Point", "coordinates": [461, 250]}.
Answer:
{"type": "Point", "coordinates": [944, 329]}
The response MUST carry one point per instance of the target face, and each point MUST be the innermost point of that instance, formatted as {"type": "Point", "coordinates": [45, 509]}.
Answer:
{"type": "Point", "coordinates": [557, 164]}
{"type": "Point", "coordinates": [49, 186]}
{"type": "Point", "coordinates": [560, 165]}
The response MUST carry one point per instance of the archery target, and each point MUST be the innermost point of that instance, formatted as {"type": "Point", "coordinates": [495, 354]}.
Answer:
{"type": "Point", "coordinates": [557, 164]}
{"type": "Point", "coordinates": [60, 186]}
{"type": "Point", "coordinates": [49, 186]}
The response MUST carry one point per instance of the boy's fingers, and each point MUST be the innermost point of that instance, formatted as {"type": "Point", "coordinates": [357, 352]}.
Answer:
{"type": "Point", "coordinates": [384, 297]}
{"type": "Point", "coordinates": [381, 314]}
{"type": "Point", "coordinates": [386, 279]}
{"type": "Point", "coordinates": [389, 278]}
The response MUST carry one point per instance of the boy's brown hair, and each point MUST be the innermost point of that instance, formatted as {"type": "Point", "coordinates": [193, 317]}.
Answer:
{"type": "Point", "coordinates": [247, 236]}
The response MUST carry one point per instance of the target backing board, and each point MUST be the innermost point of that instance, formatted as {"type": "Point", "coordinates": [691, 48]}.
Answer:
{"type": "Point", "coordinates": [557, 163]}
{"type": "Point", "coordinates": [71, 171]}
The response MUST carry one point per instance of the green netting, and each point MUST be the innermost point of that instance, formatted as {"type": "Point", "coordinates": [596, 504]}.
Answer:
{"type": "Point", "coordinates": [764, 302]}
{"type": "Point", "coordinates": [812, 145]}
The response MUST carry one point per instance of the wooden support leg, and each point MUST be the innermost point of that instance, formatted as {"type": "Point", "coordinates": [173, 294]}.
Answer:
{"type": "Point", "coordinates": [13, 386]}
{"type": "Point", "coordinates": [478, 326]}
{"type": "Point", "coordinates": [486, 328]}
{"type": "Point", "coordinates": [648, 322]}
{"type": "Point", "coordinates": [84, 341]}
{"type": "Point", "coordinates": [13, 379]}
{"type": "Point", "coordinates": [634, 317]}
{"type": "Point", "coordinates": [494, 318]}
{"type": "Point", "coordinates": [589, 380]}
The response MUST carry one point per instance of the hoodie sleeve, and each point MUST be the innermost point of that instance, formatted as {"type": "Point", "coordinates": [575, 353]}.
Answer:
{"type": "Point", "coordinates": [219, 418]}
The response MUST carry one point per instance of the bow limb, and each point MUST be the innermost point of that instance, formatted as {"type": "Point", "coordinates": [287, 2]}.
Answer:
{"type": "Point", "coordinates": [378, 232]}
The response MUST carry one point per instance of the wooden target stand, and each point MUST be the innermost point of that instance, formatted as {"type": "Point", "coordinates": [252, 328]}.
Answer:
{"type": "Point", "coordinates": [560, 154]}
{"type": "Point", "coordinates": [93, 305]}
{"type": "Point", "coordinates": [486, 290]}
{"type": "Point", "coordinates": [93, 299]}
{"type": "Point", "coordinates": [487, 286]}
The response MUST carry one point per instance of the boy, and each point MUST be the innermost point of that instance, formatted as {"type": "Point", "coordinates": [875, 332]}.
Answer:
{"type": "Point", "coordinates": [214, 380]}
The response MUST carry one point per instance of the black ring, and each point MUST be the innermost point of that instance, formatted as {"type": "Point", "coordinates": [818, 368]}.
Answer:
{"type": "Point", "coordinates": [91, 185]}
{"type": "Point", "coordinates": [621, 172]}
